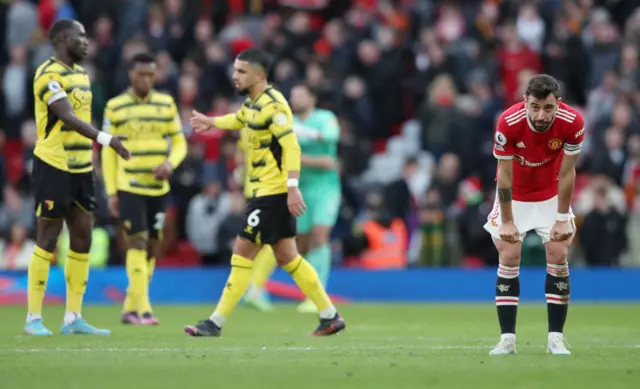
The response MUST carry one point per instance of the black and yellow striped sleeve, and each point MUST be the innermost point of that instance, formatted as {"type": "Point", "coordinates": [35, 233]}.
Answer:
{"type": "Point", "coordinates": [243, 140]}
{"type": "Point", "coordinates": [178, 151]}
{"type": "Point", "coordinates": [174, 127]}
{"type": "Point", "coordinates": [280, 120]}
{"type": "Point", "coordinates": [232, 121]}
{"type": "Point", "coordinates": [49, 87]}
{"type": "Point", "coordinates": [281, 126]}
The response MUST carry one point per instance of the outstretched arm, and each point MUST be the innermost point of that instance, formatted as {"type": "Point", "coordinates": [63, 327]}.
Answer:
{"type": "Point", "coordinates": [62, 109]}
{"type": "Point", "coordinates": [109, 159]}
{"type": "Point", "coordinates": [202, 122]}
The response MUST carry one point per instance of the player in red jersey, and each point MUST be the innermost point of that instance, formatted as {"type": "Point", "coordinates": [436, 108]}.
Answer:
{"type": "Point", "coordinates": [537, 143]}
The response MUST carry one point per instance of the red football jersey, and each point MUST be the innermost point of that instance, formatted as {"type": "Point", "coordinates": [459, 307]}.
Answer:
{"type": "Point", "coordinates": [537, 155]}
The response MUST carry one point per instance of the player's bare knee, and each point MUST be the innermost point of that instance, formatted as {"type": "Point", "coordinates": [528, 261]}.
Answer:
{"type": "Point", "coordinates": [509, 253]}
{"type": "Point", "coordinates": [320, 237]}
{"type": "Point", "coordinates": [509, 259]}
{"type": "Point", "coordinates": [152, 246]}
{"type": "Point", "coordinates": [557, 253]}
{"type": "Point", "coordinates": [137, 242]}
{"type": "Point", "coordinates": [47, 241]}
{"type": "Point", "coordinates": [317, 242]}
{"type": "Point", "coordinates": [245, 248]}
{"type": "Point", "coordinates": [285, 251]}
{"type": "Point", "coordinates": [304, 243]}
{"type": "Point", "coordinates": [80, 237]}
{"type": "Point", "coordinates": [80, 244]}
{"type": "Point", "coordinates": [47, 234]}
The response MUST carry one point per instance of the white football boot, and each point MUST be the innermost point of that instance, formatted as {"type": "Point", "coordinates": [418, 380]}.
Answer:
{"type": "Point", "coordinates": [557, 344]}
{"type": "Point", "coordinates": [506, 346]}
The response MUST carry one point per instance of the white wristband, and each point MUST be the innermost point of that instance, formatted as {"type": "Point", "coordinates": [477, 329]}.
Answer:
{"type": "Point", "coordinates": [563, 217]}
{"type": "Point", "coordinates": [292, 182]}
{"type": "Point", "coordinates": [104, 138]}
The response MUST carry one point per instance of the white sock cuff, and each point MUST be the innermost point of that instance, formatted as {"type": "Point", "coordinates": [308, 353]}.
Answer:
{"type": "Point", "coordinates": [508, 337]}
{"type": "Point", "coordinates": [31, 317]}
{"type": "Point", "coordinates": [218, 319]}
{"type": "Point", "coordinates": [328, 313]}
{"type": "Point", "coordinates": [561, 270]}
{"type": "Point", "coordinates": [70, 317]}
{"type": "Point", "coordinates": [508, 272]}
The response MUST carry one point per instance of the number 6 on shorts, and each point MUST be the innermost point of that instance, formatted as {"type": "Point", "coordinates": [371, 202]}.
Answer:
{"type": "Point", "coordinates": [254, 220]}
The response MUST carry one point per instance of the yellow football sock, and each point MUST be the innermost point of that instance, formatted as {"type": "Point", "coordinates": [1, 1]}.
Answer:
{"type": "Point", "coordinates": [37, 279]}
{"type": "Point", "coordinates": [308, 281]}
{"type": "Point", "coordinates": [265, 264]}
{"type": "Point", "coordinates": [237, 283]}
{"type": "Point", "coordinates": [138, 279]}
{"type": "Point", "coordinates": [145, 301]}
{"type": "Point", "coordinates": [129, 305]}
{"type": "Point", "coordinates": [151, 267]}
{"type": "Point", "coordinates": [77, 274]}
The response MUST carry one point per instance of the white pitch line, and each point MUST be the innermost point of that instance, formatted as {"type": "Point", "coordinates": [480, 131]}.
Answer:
{"type": "Point", "coordinates": [241, 349]}
{"type": "Point", "coordinates": [275, 349]}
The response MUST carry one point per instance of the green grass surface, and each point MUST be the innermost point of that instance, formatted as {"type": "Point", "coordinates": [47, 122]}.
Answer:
{"type": "Point", "coordinates": [385, 346]}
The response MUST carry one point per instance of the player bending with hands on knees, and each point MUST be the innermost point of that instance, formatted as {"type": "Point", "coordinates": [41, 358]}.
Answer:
{"type": "Point", "coordinates": [537, 143]}
{"type": "Point", "coordinates": [63, 174]}
{"type": "Point", "coordinates": [274, 171]}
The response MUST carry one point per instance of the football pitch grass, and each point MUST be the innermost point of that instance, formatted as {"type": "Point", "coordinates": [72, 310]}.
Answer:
{"type": "Point", "coordinates": [390, 346]}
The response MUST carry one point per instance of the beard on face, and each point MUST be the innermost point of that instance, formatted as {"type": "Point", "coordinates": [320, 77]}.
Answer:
{"type": "Point", "coordinates": [76, 55]}
{"type": "Point", "coordinates": [540, 126]}
{"type": "Point", "coordinates": [243, 91]}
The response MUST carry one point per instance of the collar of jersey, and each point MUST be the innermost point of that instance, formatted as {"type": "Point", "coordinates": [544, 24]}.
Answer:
{"type": "Point", "coordinates": [56, 60]}
{"type": "Point", "coordinates": [260, 95]}
{"type": "Point", "coordinates": [138, 99]}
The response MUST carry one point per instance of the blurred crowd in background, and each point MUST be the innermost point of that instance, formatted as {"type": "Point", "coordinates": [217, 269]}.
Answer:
{"type": "Point", "coordinates": [417, 86]}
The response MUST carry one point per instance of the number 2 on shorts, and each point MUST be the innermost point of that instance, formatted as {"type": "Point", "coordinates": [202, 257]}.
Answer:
{"type": "Point", "coordinates": [159, 224]}
{"type": "Point", "coordinates": [254, 220]}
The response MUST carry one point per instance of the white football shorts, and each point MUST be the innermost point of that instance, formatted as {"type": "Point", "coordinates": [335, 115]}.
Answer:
{"type": "Point", "coordinates": [527, 216]}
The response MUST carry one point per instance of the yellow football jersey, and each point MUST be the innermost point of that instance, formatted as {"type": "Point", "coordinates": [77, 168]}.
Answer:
{"type": "Point", "coordinates": [272, 147]}
{"type": "Point", "coordinates": [154, 135]}
{"type": "Point", "coordinates": [243, 144]}
{"type": "Point", "coordinates": [57, 145]}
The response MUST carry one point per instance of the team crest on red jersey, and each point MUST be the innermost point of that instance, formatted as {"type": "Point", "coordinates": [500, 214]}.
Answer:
{"type": "Point", "coordinates": [555, 144]}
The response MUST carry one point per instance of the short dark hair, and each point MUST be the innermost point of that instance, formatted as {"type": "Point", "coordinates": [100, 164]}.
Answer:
{"type": "Point", "coordinates": [257, 56]}
{"type": "Point", "coordinates": [543, 85]}
{"type": "Point", "coordinates": [313, 91]}
{"type": "Point", "coordinates": [142, 58]}
{"type": "Point", "coordinates": [60, 26]}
